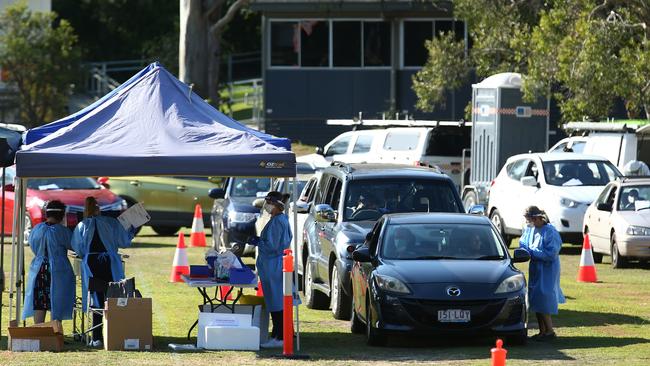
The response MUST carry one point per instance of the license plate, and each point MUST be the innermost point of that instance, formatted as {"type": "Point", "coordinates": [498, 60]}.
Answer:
{"type": "Point", "coordinates": [454, 316]}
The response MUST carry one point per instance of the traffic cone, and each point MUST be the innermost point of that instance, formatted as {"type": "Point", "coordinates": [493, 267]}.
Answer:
{"type": "Point", "coordinates": [259, 291]}
{"type": "Point", "coordinates": [197, 237]}
{"type": "Point", "coordinates": [587, 271]}
{"type": "Point", "coordinates": [499, 354]}
{"type": "Point", "coordinates": [180, 265]}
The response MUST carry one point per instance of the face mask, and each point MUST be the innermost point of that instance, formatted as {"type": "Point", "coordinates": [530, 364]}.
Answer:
{"type": "Point", "coordinates": [268, 209]}
{"type": "Point", "coordinates": [631, 199]}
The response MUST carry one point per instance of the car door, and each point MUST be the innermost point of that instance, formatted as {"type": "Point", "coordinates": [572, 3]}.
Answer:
{"type": "Point", "coordinates": [508, 188]}
{"type": "Point", "coordinates": [160, 196]}
{"type": "Point", "coordinates": [527, 195]}
{"type": "Point", "coordinates": [329, 230]}
{"type": "Point", "coordinates": [364, 270]}
{"type": "Point", "coordinates": [599, 221]}
{"type": "Point", "coordinates": [193, 190]}
{"type": "Point", "coordinates": [315, 229]}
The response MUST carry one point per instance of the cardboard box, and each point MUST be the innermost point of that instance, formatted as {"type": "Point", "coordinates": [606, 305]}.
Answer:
{"type": "Point", "coordinates": [127, 324]}
{"type": "Point", "coordinates": [40, 337]}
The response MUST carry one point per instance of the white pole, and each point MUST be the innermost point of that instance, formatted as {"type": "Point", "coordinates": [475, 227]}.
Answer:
{"type": "Point", "coordinates": [294, 194]}
{"type": "Point", "coordinates": [21, 247]}
{"type": "Point", "coordinates": [14, 246]}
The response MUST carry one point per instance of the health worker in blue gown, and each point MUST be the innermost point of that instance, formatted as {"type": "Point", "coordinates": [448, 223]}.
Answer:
{"type": "Point", "coordinates": [51, 283]}
{"type": "Point", "coordinates": [274, 239]}
{"type": "Point", "coordinates": [96, 240]}
{"type": "Point", "coordinates": [543, 243]}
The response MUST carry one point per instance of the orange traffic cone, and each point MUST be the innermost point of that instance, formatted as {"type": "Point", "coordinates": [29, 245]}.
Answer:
{"type": "Point", "coordinates": [259, 291]}
{"type": "Point", "coordinates": [587, 271]}
{"type": "Point", "coordinates": [180, 265]}
{"type": "Point", "coordinates": [499, 354]}
{"type": "Point", "coordinates": [197, 236]}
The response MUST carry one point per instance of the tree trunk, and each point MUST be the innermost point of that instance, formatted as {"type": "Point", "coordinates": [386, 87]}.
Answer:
{"type": "Point", "coordinates": [193, 43]}
{"type": "Point", "coordinates": [214, 45]}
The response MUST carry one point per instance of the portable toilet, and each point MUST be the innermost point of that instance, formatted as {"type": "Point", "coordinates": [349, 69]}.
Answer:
{"type": "Point", "coordinates": [503, 125]}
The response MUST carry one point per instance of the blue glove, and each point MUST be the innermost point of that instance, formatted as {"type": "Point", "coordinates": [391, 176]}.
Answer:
{"type": "Point", "coordinates": [254, 240]}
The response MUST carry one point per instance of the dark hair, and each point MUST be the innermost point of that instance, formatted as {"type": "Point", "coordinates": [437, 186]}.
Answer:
{"type": "Point", "coordinates": [90, 207]}
{"type": "Point", "coordinates": [278, 199]}
{"type": "Point", "coordinates": [55, 209]}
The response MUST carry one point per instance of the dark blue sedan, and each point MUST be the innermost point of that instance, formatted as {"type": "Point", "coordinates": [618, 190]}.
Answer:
{"type": "Point", "coordinates": [437, 274]}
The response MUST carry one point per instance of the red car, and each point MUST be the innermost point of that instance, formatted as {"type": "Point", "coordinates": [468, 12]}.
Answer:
{"type": "Point", "coordinates": [71, 191]}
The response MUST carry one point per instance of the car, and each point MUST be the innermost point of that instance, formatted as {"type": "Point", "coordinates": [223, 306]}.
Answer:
{"type": "Point", "coordinates": [170, 201]}
{"type": "Point", "coordinates": [71, 191]}
{"type": "Point", "coordinates": [349, 199]}
{"type": "Point", "coordinates": [563, 185]}
{"type": "Point", "coordinates": [618, 221]}
{"type": "Point", "coordinates": [440, 147]}
{"type": "Point", "coordinates": [233, 215]}
{"type": "Point", "coordinates": [437, 275]}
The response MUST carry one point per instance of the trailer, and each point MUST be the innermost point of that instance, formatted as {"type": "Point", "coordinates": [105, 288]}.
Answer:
{"type": "Point", "coordinates": [503, 124]}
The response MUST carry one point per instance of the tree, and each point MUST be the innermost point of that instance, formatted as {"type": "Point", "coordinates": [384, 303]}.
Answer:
{"type": "Point", "coordinates": [41, 60]}
{"type": "Point", "coordinates": [202, 25]}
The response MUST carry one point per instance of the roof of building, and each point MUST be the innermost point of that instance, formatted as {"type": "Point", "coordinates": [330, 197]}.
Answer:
{"type": "Point", "coordinates": [329, 6]}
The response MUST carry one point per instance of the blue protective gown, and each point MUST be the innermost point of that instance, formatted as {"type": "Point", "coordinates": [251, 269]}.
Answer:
{"type": "Point", "coordinates": [543, 244]}
{"type": "Point", "coordinates": [62, 285]}
{"type": "Point", "coordinates": [275, 238]}
{"type": "Point", "coordinates": [113, 236]}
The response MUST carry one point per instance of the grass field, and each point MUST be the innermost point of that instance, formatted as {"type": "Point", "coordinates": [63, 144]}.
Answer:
{"type": "Point", "coordinates": [602, 323]}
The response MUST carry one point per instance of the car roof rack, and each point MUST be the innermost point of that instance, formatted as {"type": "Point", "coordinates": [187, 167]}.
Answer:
{"type": "Point", "coordinates": [341, 164]}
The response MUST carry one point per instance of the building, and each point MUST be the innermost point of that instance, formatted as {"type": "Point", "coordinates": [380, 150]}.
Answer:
{"type": "Point", "coordinates": [335, 59]}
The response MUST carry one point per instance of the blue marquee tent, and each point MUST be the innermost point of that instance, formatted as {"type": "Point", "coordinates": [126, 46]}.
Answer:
{"type": "Point", "coordinates": [152, 125]}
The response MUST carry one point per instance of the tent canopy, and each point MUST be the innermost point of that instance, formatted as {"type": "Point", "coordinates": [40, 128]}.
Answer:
{"type": "Point", "coordinates": [152, 125]}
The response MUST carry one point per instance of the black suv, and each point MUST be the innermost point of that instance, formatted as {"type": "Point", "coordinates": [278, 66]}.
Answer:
{"type": "Point", "coordinates": [348, 201]}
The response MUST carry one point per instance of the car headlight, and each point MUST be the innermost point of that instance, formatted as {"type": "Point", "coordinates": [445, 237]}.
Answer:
{"type": "Point", "coordinates": [391, 284]}
{"type": "Point", "coordinates": [638, 230]}
{"type": "Point", "coordinates": [234, 216]}
{"type": "Point", "coordinates": [511, 284]}
{"type": "Point", "coordinates": [565, 202]}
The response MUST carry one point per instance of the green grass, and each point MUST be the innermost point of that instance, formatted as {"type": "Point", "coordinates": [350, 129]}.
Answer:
{"type": "Point", "coordinates": [602, 323]}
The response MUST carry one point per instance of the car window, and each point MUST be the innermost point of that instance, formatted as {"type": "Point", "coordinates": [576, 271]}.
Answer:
{"type": "Point", "coordinates": [634, 198]}
{"type": "Point", "coordinates": [308, 192]}
{"type": "Point", "coordinates": [336, 197]}
{"type": "Point", "coordinates": [448, 141]}
{"type": "Point", "coordinates": [559, 148]}
{"type": "Point", "coordinates": [401, 141]}
{"type": "Point", "coordinates": [578, 147]}
{"type": "Point", "coordinates": [579, 172]}
{"type": "Point", "coordinates": [441, 241]}
{"type": "Point", "coordinates": [47, 184]}
{"type": "Point", "coordinates": [611, 196]}
{"type": "Point", "coordinates": [248, 187]}
{"type": "Point", "coordinates": [517, 169]}
{"type": "Point", "coordinates": [330, 190]}
{"type": "Point", "coordinates": [374, 238]}
{"type": "Point", "coordinates": [531, 170]}
{"type": "Point", "coordinates": [602, 198]}
{"type": "Point", "coordinates": [339, 147]}
{"type": "Point", "coordinates": [362, 145]}
{"type": "Point", "coordinates": [369, 199]}
{"type": "Point", "coordinates": [304, 168]}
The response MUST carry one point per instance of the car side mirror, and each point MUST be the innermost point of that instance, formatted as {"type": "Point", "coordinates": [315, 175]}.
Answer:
{"type": "Point", "coordinates": [302, 207]}
{"type": "Point", "coordinates": [324, 213]}
{"type": "Point", "coordinates": [9, 188]}
{"type": "Point", "coordinates": [604, 207]}
{"type": "Point", "coordinates": [217, 193]}
{"type": "Point", "coordinates": [362, 255]}
{"type": "Point", "coordinates": [529, 181]}
{"type": "Point", "coordinates": [477, 210]}
{"type": "Point", "coordinates": [258, 203]}
{"type": "Point", "coordinates": [319, 150]}
{"type": "Point", "coordinates": [520, 255]}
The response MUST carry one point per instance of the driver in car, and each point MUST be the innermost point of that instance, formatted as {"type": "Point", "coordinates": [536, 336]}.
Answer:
{"type": "Point", "coordinates": [632, 197]}
{"type": "Point", "coordinates": [247, 187]}
{"type": "Point", "coordinates": [403, 245]}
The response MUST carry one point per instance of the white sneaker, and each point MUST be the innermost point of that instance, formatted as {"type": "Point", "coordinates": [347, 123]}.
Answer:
{"type": "Point", "coordinates": [97, 344]}
{"type": "Point", "coordinates": [272, 343]}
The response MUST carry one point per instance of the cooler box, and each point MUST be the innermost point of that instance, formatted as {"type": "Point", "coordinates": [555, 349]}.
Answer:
{"type": "Point", "coordinates": [259, 317]}
{"type": "Point", "coordinates": [222, 320]}
{"type": "Point", "coordinates": [127, 324]}
{"type": "Point", "coordinates": [232, 338]}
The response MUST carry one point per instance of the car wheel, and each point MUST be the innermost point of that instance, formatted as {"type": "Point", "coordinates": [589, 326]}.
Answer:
{"type": "Point", "coordinates": [339, 301]}
{"type": "Point", "coordinates": [618, 261]}
{"type": "Point", "coordinates": [356, 325]}
{"type": "Point", "coordinates": [374, 337]}
{"type": "Point", "coordinates": [598, 257]}
{"type": "Point", "coordinates": [519, 339]}
{"type": "Point", "coordinates": [314, 299]}
{"type": "Point", "coordinates": [470, 200]}
{"type": "Point", "coordinates": [130, 202]}
{"type": "Point", "coordinates": [497, 221]}
{"type": "Point", "coordinates": [166, 230]}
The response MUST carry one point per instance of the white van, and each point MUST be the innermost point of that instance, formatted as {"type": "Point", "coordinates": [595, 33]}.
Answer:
{"type": "Point", "coordinates": [440, 147]}
{"type": "Point", "coordinates": [617, 142]}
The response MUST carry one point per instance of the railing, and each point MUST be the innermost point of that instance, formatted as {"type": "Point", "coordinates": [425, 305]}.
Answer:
{"type": "Point", "coordinates": [248, 92]}
{"type": "Point", "coordinates": [99, 80]}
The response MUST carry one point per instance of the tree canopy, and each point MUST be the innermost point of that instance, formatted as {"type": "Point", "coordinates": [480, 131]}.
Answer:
{"type": "Point", "coordinates": [587, 54]}
{"type": "Point", "coordinates": [40, 59]}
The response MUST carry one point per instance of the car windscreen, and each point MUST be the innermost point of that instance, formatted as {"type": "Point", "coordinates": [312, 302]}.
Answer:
{"type": "Point", "coordinates": [369, 199]}
{"type": "Point", "coordinates": [448, 141]}
{"type": "Point", "coordinates": [441, 241]}
{"type": "Point", "coordinates": [248, 187]}
{"type": "Point", "coordinates": [46, 184]}
{"type": "Point", "coordinates": [280, 186]}
{"type": "Point", "coordinates": [579, 172]}
{"type": "Point", "coordinates": [634, 198]}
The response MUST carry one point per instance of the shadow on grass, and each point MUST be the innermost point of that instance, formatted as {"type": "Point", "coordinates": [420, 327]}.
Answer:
{"type": "Point", "coordinates": [137, 245]}
{"type": "Point", "coordinates": [571, 250]}
{"type": "Point", "coordinates": [574, 318]}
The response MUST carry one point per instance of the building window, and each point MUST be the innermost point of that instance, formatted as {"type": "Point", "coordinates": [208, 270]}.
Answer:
{"type": "Point", "coordinates": [376, 44]}
{"type": "Point", "coordinates": [416, 32]}
{"type": "Point", "coordinates": [314, 43]}
{"type": "Point", "coordinates": [346, 41]}
{"type": "Point", "coordinates": [284, 44]}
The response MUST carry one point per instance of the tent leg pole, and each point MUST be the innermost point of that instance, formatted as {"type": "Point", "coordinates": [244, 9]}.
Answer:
{"type": "Point", "coordinates": [294, 194]}
{"type": "Point", "coordinates": [21, 249]}
{"type": "Point", "coordinates": [2, 247]}
{"type": "Point", "coordinates": [14, 254]}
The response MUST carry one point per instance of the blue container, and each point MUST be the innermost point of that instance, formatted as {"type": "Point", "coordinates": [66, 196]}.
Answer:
{"type": "Point", "coordinates": [241, 276]}
{"type": "Point", "coordinates": [200, 271]}
{"type": "Point", "coordinates": [211, 261]}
